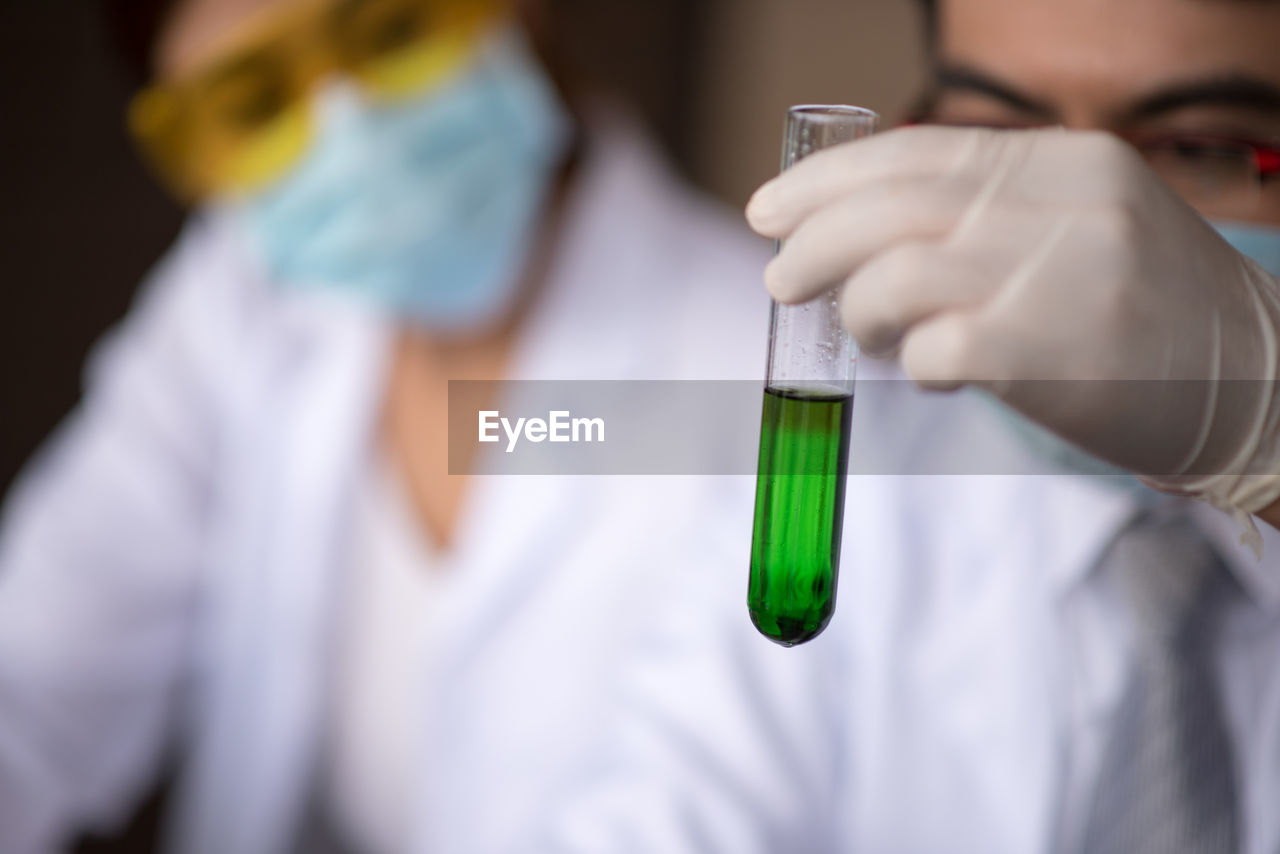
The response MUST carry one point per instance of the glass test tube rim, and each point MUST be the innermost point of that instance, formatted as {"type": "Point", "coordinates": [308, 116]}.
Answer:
{"type": "Point", "coordinates": [834, 110]}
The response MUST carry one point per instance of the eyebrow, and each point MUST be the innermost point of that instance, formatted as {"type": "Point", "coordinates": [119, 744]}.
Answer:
{"type": "Point", "coordinates": [962, 78]}
{"type": "Point", "coordinates": [1229, 90]}
{"type": "Point", "coordinates": [1233, 90]}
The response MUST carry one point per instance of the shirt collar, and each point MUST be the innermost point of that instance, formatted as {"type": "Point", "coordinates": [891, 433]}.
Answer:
{"type": "Point", "coordinates": [1083, 514]}
{"type": "Point", "coordinates": [1098, 512]}
{"type": "Point", "coordinates": [1258, 577]}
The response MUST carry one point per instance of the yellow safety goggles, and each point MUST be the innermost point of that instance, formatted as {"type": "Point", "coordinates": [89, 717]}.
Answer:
{"type": "Point", "coordinates": [245, 117]}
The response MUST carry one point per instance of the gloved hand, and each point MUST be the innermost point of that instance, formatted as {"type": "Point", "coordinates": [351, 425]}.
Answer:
{"type": "Point", "coordinates": [1054, 269]}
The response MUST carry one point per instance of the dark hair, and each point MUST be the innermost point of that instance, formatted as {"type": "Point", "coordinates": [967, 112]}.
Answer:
{"type": "Point", "coordinates": [134, 26]}
{"type": "Point", "coordinates": [929, 11]}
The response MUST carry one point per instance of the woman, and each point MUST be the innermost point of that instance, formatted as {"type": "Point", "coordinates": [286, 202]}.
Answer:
{"type": "Point", "coordinates": [245, 545]}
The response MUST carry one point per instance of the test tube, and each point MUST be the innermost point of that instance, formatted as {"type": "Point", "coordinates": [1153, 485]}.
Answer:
{"type": "Point", "coordinates": [805, 431]}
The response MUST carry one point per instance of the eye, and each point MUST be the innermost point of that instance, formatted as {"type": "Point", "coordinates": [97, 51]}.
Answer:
{"type": "Point", "coordinates": [1200, 152]}
{"type": "Point", "coordinates": [257, 105]}
{"type": "Point", "coordinates": [373, 28]}
{"type": "Point", "coordinates": [249, 94]}
{"type": "Point", "coordinates": [396, 30]}
{"type": "Point", "coordinates": [1211, 160]}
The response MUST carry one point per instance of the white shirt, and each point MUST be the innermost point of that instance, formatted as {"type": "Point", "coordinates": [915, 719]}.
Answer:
{"type": "Point", "coordinates": [959, 700]}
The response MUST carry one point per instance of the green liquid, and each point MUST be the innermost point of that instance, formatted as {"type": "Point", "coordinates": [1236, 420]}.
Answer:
{"type": "Point", "coordinates": [795, 547]}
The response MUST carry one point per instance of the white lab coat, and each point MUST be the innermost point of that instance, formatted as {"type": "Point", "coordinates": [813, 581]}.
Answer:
{"type": "Point", "coordinates": [960, 699]}
{"type": "Point", "coordinates": [170, 565]}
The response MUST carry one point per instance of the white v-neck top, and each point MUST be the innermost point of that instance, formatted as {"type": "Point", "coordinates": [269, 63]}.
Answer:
{"type": "Point", "coordinates": [379, 701]}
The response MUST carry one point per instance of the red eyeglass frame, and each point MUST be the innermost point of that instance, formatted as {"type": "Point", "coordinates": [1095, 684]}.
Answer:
{"type": "Point", "coordinates": [1266, 153]}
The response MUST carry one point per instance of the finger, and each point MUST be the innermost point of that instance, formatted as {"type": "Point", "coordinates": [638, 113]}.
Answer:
{"type": "Point", "coordinates": [910, 153]}
{"type": "Point", "coordinates": [905, 286]}
{"type": "Point", "coordinates": [832, 243]}
{"type": "Point", "coordinates": [951, 350]}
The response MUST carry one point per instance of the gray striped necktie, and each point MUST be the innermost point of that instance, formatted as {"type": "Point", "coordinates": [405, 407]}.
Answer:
{"type": "Point", "coordinates": [1166, 782]}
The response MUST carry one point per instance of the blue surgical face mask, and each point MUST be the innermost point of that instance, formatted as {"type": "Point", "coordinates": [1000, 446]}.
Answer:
{"type": "Point", "coordinates": [1262, 244]}
{"type": "Point", "coordinates": [1259, 242]}
{"type": "Point", "coordinates": [426, 209]}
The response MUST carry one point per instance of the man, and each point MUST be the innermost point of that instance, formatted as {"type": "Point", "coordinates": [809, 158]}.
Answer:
{"type": "Point", "coordinates": [1061, 663]}
{"type": "Point", "coordinates": [942, 224]}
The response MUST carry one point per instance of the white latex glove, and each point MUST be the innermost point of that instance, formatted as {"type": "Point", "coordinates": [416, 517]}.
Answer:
{"type": "Point", "coordinates": [1055, 270]}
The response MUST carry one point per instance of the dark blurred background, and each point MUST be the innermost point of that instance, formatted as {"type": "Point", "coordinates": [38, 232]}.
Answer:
{"type": "Point", "coordinates": [82, 221]}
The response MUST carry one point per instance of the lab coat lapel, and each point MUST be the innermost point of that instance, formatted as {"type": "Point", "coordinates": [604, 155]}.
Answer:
{"type": "Point", "coordinates": [518, 527]}
{"type": "Point", "coordinates": [326, 436]}
{"type": "Point", "coordinates": [307, 441]}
